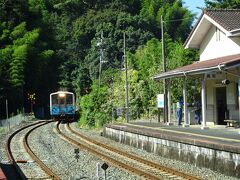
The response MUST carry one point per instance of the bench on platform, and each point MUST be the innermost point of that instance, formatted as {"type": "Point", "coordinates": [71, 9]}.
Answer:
{"type": "Point", "coordinates": [232, 123]}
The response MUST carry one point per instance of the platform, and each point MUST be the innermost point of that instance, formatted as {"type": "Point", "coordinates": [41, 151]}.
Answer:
{"type": "Point", "coordinates": [217, 148]}
{"type": "Point", "coordinates": [218, 137]}
{"type": "Point", "coordinates": [2, 175]}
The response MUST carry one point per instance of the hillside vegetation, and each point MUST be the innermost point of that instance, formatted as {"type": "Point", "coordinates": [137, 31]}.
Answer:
{"type": "Point", "coordinates": [47, 45]}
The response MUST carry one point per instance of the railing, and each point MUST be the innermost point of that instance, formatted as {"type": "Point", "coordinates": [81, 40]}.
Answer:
{"type": "Point", "coordinates": [8, 124]}
{"type": "Point", "coordinates": [148, 114]}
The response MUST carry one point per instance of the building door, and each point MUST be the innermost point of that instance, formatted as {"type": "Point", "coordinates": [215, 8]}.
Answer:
{"type": "Point", "coordinates": [221, 104]}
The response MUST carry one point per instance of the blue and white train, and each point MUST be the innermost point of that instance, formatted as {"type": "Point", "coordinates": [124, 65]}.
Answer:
{"type": "Point", "coordinates": [62, 105]}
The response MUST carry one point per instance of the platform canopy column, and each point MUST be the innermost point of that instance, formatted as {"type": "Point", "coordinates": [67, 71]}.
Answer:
{"type": "Point", "coordinates": [204, 104]}
{"type": "Point", "coordinates": [169, 103]}
{"type": "Point", "coordinates": [239, 97]}
{"type": "Point", "coordinates": [186, 123]}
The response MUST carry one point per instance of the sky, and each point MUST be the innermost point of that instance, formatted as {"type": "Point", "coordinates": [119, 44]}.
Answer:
{"type": "Point", "coordinates": [193, 4]}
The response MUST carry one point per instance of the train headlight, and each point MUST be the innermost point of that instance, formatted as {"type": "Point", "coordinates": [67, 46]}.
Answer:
{"type": "Point", "coordinates": [61, 94]}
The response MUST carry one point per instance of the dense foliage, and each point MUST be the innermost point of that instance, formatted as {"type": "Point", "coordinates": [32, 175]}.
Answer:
{"type": "Point", "coordinates": [46, 45]}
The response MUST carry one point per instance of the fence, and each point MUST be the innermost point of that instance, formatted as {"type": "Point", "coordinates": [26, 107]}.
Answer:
{"type": "Point", "coordinates": [148, 114]}
{"type": "Point", "coordinates": [7, 124]}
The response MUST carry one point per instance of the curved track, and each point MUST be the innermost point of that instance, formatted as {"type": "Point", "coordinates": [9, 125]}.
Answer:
{"type": "Point", "coordinates": [134, 164]}
{"type": "Point", "coordinates": [12, 161]}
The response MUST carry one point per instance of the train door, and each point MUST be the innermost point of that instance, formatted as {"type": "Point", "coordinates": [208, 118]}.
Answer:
{"type": "Point", "coordinates": [221, 104]}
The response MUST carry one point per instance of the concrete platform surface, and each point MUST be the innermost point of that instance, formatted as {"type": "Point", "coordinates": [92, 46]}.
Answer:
{"type": "Point", "coordinates": [217, 148]}
{"type": "Point", "coordinates": [217, 137]}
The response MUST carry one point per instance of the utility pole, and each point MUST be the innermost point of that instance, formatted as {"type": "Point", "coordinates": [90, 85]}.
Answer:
{"type": "Point", "coordinates": [164, 70]}
{"type": "Point", "coordinates": [7, 115]}
{"type": "Point", "coordinates": [100, 44]}
{"type": "Point", "coordinates": [7, 109]}
{"type": "Point", "coordinates": [126, 73]}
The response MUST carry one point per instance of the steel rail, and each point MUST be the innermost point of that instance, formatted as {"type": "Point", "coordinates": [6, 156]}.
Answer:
{"type": "Point", "coordinates": [44, 167]}
{"type": "Point", "coordinates": [8, 147]}
{"type": "Point", "coordinates": [108, 159]}
{"type": "Point", "coordinates": [9, 152]}
{"type": "Point", "coordinates": [136, 158]}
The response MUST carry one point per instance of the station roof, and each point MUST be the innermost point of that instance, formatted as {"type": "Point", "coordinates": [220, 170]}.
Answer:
{"type": "Point", "coordinates": [227, 20]}
{"type": "Point", "coordinates": [200, 67]}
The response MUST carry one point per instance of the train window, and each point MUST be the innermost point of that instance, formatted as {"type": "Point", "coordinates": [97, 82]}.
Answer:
{"type": "Point", "coordinates": [54, 99]}
{"type": "Point", "coordinates": [69, 99]}
{"type": "Point", "coordinates": [61, 100]}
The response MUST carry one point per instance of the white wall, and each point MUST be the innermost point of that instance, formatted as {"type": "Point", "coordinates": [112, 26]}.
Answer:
{"type": "Point", "coordinates": [211, 48]}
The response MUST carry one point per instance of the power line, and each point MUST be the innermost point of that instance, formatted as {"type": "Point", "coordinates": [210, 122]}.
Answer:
{"type": "Point", "coordinates": [175, 20]}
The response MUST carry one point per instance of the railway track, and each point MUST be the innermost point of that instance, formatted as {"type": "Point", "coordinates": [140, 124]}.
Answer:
{"type": "Point", "coordinates": [50, 174]}
{"type": "Point", "coordinates": [134, 164]}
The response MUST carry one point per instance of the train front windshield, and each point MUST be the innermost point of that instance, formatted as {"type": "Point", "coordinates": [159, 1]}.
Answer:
{"type": "Point", "coordinates": [62, 100]}
{"type": "Point", "coordinates": [69, 99]}
{"type": "Point", "coordinates": [54, 99]}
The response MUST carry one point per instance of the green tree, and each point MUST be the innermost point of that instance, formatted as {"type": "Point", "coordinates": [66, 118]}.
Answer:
{"type": "Point", "coordinates": [177, 19]}
{"type": "Point", "coordinates": [222, 4]}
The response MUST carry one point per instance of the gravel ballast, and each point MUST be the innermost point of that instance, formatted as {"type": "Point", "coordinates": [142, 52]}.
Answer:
{"type": "Point", "coordinates": [59, 154]}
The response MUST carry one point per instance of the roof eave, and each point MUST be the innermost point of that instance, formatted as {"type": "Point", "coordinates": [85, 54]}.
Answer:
{"type": "Point", "coordinates": [234, 33]}
{"type": "Point", "coordinates": [189, 42]}
{"type": "Point", "coordinates": [176, 74]}
{"type": "Point", "coordinates": [186, 73]}
{"type": "Point", "coordinates": [168, 75]}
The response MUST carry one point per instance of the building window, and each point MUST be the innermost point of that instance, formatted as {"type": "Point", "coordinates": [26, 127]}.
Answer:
{"type": "Point", "coordinates": [218, 34]}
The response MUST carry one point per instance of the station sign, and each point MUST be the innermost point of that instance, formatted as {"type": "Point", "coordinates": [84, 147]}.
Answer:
{"type": "Point", "coordinates": [160, 100]}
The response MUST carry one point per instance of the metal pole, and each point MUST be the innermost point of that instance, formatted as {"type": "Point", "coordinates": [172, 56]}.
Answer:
{"type": "Point", "coordinates": [239, 98]}
{"type": "Point", "coordinates": [164, 70]}
{"type": "Point", "coordinates": [7, 115]}
{"type": "Point", "coordinates": [126, 73]}
{"type": "Point", "coordinates": [99, 78]}
{"type": "Point", "coordinates": [7, 108]}
{"type": "Point", "coordinates": [101, 56]}
{"type": "Point", "coordinates": [98, 170]}
{"type": "Point", "coordinates": [186, 123]}
{"type": "Point", "coordinates": [112, 115]}
{"type": "Point", "coordinates": [31, 107]}
{"type": "Point", "coordinates": [105, 174]}
{"type": "Point", "coordinates": [169, 103]}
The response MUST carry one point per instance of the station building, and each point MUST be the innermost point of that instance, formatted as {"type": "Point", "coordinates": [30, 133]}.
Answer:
{"type": "Point", "coordinates": [217, 36]}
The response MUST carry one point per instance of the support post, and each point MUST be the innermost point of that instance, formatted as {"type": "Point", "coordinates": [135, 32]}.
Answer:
{"type": "Point", "coordinates": [101, 59]}
{"type": "Point", "coordinates": [186, 123]}
{"type": "Point", "coordinates": [126, 74]}
{"type": "Point", "coordinates": [7, 109]}
{"type": "Point", "coordinates": [169, 104]}
{"type": "Point", "coordinates": [7, 115]}
{"type": "Point", "coordinates": [164, 70]}
{"type": "Point", "coordinates": [239, 98]}
{"type": "Point", "coordinates": [112, 115]}
{"type": "Point", "coordinates": [159, 113]}
{"type": "Point", "coordinates": [203, 93]}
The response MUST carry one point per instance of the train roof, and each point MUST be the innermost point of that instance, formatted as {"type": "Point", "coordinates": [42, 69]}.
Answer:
{"type": "Point", "coordinates": [59, 92]}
